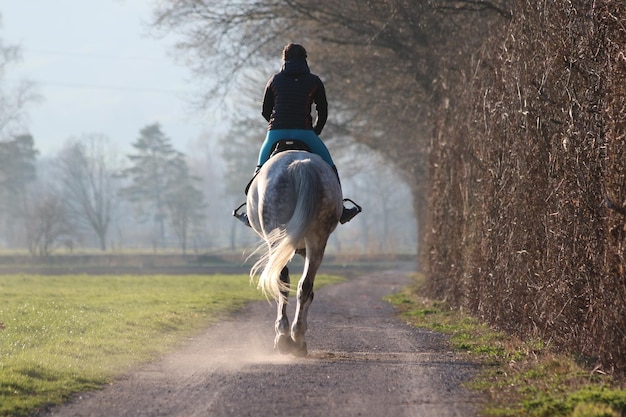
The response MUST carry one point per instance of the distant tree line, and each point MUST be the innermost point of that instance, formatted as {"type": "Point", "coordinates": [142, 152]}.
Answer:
{"type": "Point", "coordinates": [86, 187]}
{"type": "Point", "coordinates": [89, 196]}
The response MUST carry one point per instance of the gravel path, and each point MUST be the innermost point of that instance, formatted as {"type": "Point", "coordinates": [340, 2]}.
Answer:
{"type": "Point", "coordinates": [363, 361]}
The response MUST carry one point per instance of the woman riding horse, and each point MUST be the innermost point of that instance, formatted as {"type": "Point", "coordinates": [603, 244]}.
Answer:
{"type": "Point", "coordinates": [287, 103]}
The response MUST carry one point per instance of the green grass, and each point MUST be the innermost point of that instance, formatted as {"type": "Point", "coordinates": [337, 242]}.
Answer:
{"type": "Point", "coordinates": [523, 378]}
{"type": "Point", "coordinates": [65, 334]}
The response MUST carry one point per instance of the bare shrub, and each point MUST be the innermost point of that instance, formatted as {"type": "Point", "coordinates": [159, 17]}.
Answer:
{"type": "Point", "coordinates": [522, 170]}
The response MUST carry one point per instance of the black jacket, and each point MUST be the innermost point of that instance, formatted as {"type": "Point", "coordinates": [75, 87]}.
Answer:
{"type": "Point", "coordinates": [289, 95]}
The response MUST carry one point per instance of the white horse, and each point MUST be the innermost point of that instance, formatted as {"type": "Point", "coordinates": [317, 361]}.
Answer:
{"type": "Point", "coordinates": [294, 204]}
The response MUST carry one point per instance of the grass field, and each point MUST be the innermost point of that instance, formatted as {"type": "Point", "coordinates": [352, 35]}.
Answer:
{"type": "Point", "coordinates": [70, 333]}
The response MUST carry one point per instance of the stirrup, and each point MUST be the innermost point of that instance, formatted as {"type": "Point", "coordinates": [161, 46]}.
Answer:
{"type": "Point", "coordinates": [349, 213]}
{"type": "Point", "coordinates": [242, 217]}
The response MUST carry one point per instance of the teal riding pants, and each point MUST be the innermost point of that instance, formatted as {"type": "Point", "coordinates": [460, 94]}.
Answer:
{"type": "Point", "coordinates": [307, 136]}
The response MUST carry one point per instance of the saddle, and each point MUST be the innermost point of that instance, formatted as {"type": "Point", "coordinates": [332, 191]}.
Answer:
{"type": "Point", "coordinates": [289, 145]}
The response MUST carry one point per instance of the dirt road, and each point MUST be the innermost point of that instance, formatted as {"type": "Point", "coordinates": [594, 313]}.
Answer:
{"type": "Point", "coordinates": [363, 361]}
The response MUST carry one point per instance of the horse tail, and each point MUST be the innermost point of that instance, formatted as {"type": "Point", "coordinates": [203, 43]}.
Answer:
{"type": "Point", "coordinates": [284, 241]}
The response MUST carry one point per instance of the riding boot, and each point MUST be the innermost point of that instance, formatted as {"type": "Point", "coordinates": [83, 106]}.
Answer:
{"type": "Point", "coordinates": [348, 213]}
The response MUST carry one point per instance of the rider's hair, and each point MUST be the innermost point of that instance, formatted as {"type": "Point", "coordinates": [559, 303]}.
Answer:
{"type": "Point", "coordinates": [292, 51]}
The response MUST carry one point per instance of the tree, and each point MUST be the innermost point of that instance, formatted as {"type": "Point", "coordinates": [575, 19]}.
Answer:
{"type": "Point", "coordinates": [17, 170]}
{"type": "Point", "coordinates": [17, 163]}
{"type": "Point", "coordinates": [48, 223]}
{"type": "Point", "coordinates": [13, 101]}
{"type": "Point", "coordinates": [17, 153]}
{"type": "Point", "coordinates": [382, 58]}
{"type": "Point", "coordinates": [155, 167]}
{"type": "Point", "coordinates": [239, 148]}
{"type": "Point", "coordinates": [88, 167]}
{"type": "Point", "coordinates": [184, 202]}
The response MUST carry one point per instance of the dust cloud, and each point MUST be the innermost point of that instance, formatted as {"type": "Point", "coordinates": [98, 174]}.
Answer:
{"type": "Point", "coordinates": [225, 348]}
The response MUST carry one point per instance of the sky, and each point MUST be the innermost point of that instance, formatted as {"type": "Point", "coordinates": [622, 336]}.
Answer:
{"type": "Point", "coordinates": [98, 72]}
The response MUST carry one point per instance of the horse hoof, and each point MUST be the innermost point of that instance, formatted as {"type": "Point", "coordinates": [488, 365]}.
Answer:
{"type": "Point", "coordinates": [283, 344]}
{"type": "Point", "coordinates": [300, 351]}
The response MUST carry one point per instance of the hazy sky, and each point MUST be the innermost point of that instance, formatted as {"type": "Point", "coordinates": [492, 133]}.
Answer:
{"type": "Point", "coordinates": [97, 71]}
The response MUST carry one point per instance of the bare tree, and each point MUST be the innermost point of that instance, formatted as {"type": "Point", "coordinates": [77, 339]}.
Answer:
{"type": "Point", "coordinates": [48, 223]}
{"type": "Point", "coordinates": [88, 166]}
{"type": "Point", "coordinates": [382, 58]}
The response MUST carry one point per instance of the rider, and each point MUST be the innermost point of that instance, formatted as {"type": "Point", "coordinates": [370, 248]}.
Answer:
{"type": "Point", "coordinates": [287, 103]}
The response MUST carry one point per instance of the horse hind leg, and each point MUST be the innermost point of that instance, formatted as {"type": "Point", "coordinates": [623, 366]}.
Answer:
{"type": "Point", "coordinates": [283, 341]}
{"type": "Point", "coordinates": [305, 298]}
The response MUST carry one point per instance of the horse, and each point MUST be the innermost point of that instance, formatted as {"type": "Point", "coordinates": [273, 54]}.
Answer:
{"type": "Point", "coordinates": [294, 203]}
